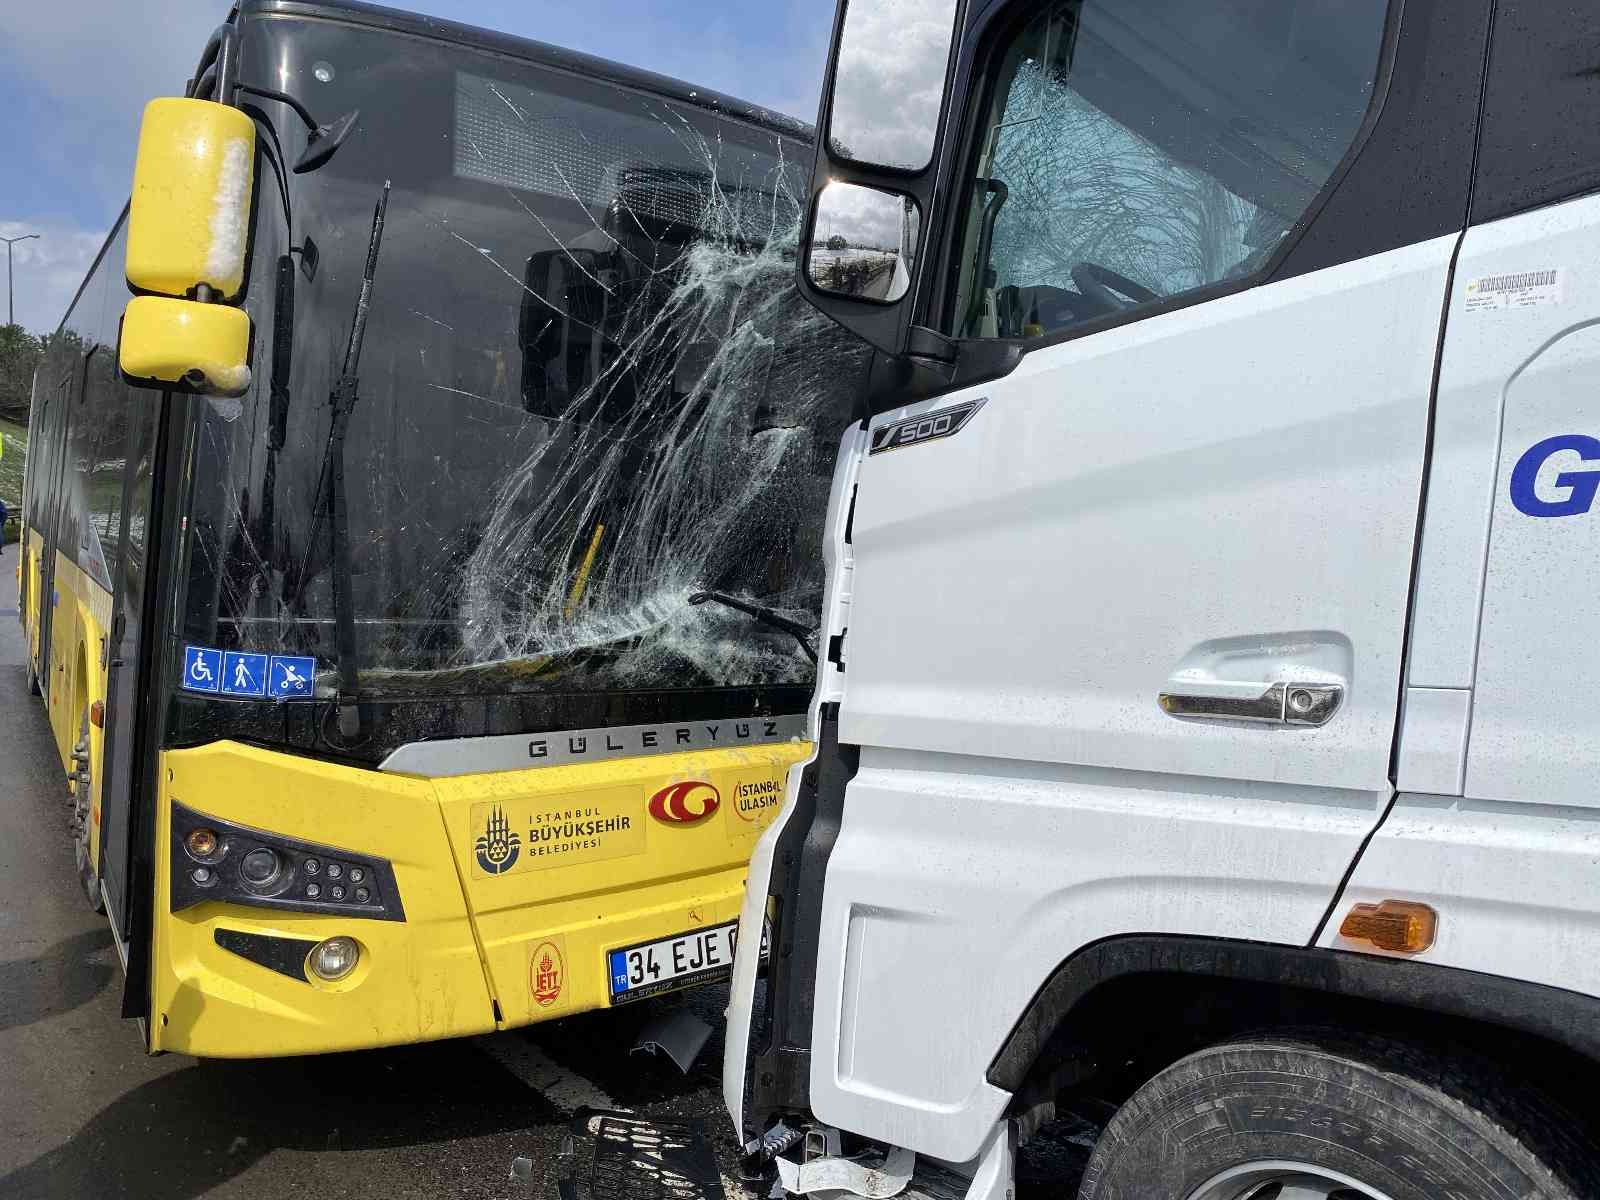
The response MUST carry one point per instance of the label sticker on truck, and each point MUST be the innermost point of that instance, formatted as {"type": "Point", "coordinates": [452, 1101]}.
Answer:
{"type": "Point", "coordinates": [1516, 289]}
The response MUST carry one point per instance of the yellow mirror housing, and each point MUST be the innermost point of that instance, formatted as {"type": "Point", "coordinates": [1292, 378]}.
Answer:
{"type": "Point", "coordinates": [186, 346]}
{"type": "Point", "coordinates": [189, 217]}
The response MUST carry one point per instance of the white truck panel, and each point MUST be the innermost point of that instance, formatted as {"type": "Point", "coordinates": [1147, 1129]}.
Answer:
{"type": "Point", "coordinates": [958, 884]}
{"type": "Point", "coordinates": [1433, 740]}
{"type": "Point", "coordinates": [1514, 886]}
{"type": "Point", "coordinates": [1535, 724]}
{"type": "Point", "coordinates": [1207, 501]}
{"type": "Point", "coordinates": [1481, 349]}
{"type": "Point", "coordinates": [1245, 470]}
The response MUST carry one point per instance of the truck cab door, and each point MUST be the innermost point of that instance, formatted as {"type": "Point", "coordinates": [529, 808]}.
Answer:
{"type": "Point", "coordinates": [1129, 589]}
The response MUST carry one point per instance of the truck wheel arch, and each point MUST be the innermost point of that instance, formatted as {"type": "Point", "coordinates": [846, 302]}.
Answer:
{"type": "Point", "coordinates": [1040, 1041]}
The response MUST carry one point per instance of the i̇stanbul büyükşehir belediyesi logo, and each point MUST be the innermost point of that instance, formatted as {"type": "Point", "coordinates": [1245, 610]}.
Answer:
{"type": "Point", "coordinates": [497, 846]}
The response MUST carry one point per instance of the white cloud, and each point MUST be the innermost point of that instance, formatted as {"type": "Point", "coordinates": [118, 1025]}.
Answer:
{"type": "Point", "coordinates": [95, 63]}
{"type": "Point", "coordinates": [109, 55]}
{"type": "Point", "coordinates": [860, 215]}
{"type": "Point", "coordinates": [47, 271]}
{"type": "Point", "coordinates": [890, 79]}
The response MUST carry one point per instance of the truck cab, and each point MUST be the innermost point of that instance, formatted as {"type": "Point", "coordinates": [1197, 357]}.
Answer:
{"type": "Point", "coordinates": [1202, 746]}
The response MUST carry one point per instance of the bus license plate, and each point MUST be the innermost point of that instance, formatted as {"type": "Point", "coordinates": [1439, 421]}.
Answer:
{"type": "Point", "coordinates": [675, 962]}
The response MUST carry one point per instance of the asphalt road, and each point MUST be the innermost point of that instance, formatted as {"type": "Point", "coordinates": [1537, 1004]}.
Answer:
{"type": "Point", "coordinates": [85, 1113]}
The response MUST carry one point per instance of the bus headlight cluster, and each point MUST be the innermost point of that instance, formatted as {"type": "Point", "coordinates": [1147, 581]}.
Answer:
{"type": "Point", "coordinates": [217, 860]}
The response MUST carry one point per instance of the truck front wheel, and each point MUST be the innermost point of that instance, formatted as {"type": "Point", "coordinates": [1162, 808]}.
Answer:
{"type": "Point", "coordinates": [1329, 1116]}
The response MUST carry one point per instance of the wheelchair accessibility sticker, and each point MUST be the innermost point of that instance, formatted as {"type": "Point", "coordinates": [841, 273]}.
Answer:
{"type": "Point", "coordinates": [240, 673]}
{"type": "Point", "coordinates": [202, 669]}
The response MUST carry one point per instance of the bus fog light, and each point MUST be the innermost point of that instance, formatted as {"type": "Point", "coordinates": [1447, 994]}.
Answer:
{"type": "Point", "coordinates": [335, 958]}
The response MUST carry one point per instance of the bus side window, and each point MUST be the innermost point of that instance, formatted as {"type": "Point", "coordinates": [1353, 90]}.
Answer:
{"type": "Point", "coordinates": [107, 405]}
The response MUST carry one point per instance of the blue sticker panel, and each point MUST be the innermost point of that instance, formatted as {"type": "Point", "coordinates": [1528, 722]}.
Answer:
{"type": "Point", "coordinates": [619, 972]}
{"type": "Point", "coordinates": [291, 678]}
{"type": "Point", "coordinates": [244, 674]}
{"type": "Point", "coordinates": [202, 669]}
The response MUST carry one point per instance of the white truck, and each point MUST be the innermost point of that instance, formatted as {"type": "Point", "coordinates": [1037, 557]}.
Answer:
{"type": "Point", "coordinates": [1207, 744]}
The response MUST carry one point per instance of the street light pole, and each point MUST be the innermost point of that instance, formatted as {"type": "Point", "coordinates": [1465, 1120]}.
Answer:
{"type": "Point", "coordinates": [11, 302]}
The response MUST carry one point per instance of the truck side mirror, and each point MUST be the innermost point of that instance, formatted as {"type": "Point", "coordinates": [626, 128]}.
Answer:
{"type": "Point", "coordinates": [883, 106]}
{"type": "Point", "coordinates": [864, 243]}
{"type": "Point", "coordinates": [188, 237]}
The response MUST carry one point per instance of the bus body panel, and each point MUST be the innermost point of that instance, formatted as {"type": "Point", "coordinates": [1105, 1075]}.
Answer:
{"type": "Point", "coordinates": [637, 849]}
{"type": "Point", "coordinates": [83, 619]}
{"type": "Point", "coordinates": [418, 979]}
{"type": "Point", "coordinates": [532, 940]}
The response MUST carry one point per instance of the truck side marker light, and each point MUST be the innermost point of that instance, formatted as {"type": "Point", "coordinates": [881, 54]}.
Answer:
{"type": "Point", "coordinates": [1399, 926]}
{"type": "Point", "coordinates": [97, 714]}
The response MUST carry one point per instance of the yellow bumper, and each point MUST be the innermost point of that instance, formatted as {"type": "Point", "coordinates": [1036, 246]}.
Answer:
{"type": "Point", "coordinates": [515, 887]}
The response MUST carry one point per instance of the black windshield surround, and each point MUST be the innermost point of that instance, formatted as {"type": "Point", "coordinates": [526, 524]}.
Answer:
{"type": "Point", "coordinates": [589, 391]}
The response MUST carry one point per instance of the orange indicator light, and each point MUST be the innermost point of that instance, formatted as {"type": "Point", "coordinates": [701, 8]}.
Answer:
{"type": "Point", "coordinates": [1400, 926]}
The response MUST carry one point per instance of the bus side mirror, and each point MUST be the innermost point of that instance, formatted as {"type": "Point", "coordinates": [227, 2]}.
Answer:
{"type": "Point", "coordinates": [884, 107]}
{"type": "Point", "coordinates": [185, 346]}
{"type": "Point", "coordinates": [188, 234]}
{"type": "Point", "coordinates": [189, 216]}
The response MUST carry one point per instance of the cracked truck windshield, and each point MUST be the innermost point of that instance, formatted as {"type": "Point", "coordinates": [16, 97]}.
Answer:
{"type": "Point", "coordinates": [589, 397]}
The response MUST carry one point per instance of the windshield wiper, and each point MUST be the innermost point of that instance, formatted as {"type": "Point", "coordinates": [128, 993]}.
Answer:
{"type": "Point", "coordinates": [765, 615]}
{"type": "Point", "coordinates": [330, 496]}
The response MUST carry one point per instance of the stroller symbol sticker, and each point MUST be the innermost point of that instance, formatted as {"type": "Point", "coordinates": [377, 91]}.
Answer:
{"type": "Point", "coordinates": [290, 678]}
{"type": "Point", "coordinates": [202, 669]}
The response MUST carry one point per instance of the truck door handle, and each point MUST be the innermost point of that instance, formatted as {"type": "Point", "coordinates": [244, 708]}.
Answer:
{"type": "Point", "coordinates": [1278, 704]}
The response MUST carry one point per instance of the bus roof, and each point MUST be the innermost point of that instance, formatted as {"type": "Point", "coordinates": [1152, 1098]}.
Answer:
{"type": "Point", "coordinates": [398, 21]}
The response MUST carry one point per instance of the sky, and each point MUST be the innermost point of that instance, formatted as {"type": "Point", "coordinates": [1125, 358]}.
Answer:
{"type": "Point", "coordinates": [77, 73]}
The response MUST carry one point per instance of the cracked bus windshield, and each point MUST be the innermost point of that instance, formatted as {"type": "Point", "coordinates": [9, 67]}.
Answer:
{"type": "Point", "coordinates": [594, 427]}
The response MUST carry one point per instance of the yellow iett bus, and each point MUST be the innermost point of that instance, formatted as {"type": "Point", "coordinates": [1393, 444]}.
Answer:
{"type": "Point", "coordinates": [421, 533]}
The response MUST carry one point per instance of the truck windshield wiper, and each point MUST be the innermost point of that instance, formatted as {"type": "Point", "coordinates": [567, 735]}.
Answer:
{"type": "Point", "coordinates": [764, 615]}
{"type": "Point", "coordinates": [330, 495]}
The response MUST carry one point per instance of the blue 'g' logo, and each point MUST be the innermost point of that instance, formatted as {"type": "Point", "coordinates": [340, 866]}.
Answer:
{"type": "Point", "coordinates": [1581, 485]}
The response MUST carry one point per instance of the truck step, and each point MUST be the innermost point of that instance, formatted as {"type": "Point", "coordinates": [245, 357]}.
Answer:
{"type": "Point", "coordinates": [931, 1181]}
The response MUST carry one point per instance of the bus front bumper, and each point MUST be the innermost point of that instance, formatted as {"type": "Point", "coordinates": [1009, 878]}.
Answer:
{"type": "Point", "coordinates": [490, 938]}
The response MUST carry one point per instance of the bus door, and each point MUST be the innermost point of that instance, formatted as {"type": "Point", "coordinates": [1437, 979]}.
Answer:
{"type": "Point", "coordinates": [124, 642]}
{"type": "Point", "coordinates": [54, 512]}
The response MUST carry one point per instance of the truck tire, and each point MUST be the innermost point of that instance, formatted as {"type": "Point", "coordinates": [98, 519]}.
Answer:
{"type": "Point", "coordinates": [1318, 1115]}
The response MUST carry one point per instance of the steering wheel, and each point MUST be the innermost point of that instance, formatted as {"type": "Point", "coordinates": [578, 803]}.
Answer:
{"type": "Point", "coordinates": [1108, 289]}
